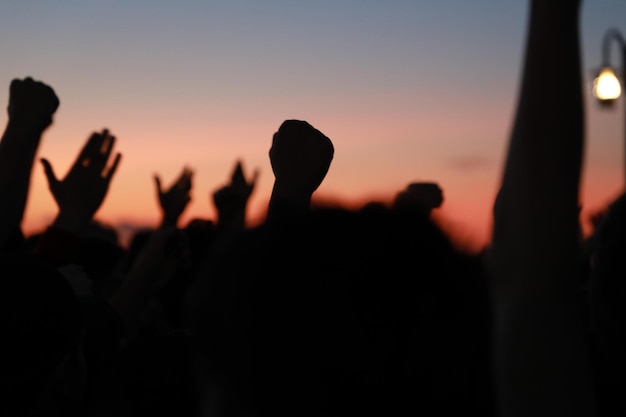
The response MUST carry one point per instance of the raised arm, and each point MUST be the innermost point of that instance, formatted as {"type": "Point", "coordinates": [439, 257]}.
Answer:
{"type": "Point", "coordinates": [541, 363]}
{"type": "Point", "coordinates": [31, 107]}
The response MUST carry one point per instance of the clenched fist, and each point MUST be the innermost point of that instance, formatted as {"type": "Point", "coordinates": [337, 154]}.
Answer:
{"type": "Point", "coordinates": [31, 103]}
{"type": "Point", "coordinates": [300, 156]}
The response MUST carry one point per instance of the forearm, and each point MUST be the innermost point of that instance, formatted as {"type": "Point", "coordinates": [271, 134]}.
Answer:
{"type": "Point", "coordinates": [536, 217]}
{"type": "Point", "coordinates": [136, 291]}
{"type": "Point", "coordinates": [58, 246]}
{"type": "Point", "coordinates": [132, 297]}
{"type": "Point", "coordinates": [287, 203]}
{"type": "Point", "coordinates": [168, 220]}
{"type": "Point", "coordinates": [234, 220]}
{"type": "Point", "coordinates": [75, 223]}
{"type": "Point", "coordinates": [17, 152]}
{"type": "Point", "coordinates": [541, 363]}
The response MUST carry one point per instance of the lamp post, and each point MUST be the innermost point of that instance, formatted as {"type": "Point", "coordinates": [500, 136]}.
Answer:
{"type": "Point", "coordinates": [606, 86]}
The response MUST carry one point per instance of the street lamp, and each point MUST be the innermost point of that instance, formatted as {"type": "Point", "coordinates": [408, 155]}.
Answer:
{"type": "Point", "coordinates": [606, 86]}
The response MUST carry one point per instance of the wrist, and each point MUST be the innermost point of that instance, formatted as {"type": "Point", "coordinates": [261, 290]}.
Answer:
{"type": "Point", "coordinates": [561, 8]}
{"type": "Point", "coordinates": [294, 192]}
{"type": "Point", "coordinates": [231, 220]}
{"type": "Point", "coordinates": [21, 137]}
{"type": "Point", "coordinates": [288, 202]}
{"type": "Point", "coordinates": [59, 246]}
{"type": "Point", "coordinates": [27, 125]}
{"type": "Point", "coordinates": [71, 223]}
{"type": "Point", "coordinates": [167, 222]}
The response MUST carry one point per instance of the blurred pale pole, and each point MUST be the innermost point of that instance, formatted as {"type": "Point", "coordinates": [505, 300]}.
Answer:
{"type": "Point", "coordinates": [606, 86]}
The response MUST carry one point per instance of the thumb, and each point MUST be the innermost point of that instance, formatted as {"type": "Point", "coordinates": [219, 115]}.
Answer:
{"type": "Point", "coordinates": [237, 178]}
{"type": "Point", "coordinates": [47, 169]}
{"type": "Point", "coordinates": [157, 182]}
{"type": "Point", "coordinates": [255, 177]}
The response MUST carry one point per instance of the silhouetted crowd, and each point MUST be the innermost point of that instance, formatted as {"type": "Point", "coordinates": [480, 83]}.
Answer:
{"type": "Point", "coordinates": [319, 310]}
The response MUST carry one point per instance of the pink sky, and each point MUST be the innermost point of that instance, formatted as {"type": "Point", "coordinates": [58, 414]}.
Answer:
{"type": "Point", "coordinates": [365, 166]}
{"type": "Point", "coordinates": [407, 91]}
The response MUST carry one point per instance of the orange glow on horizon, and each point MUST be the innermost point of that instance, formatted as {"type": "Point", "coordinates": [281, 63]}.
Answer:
{"type": "Point", "coordinates": [466, 218]}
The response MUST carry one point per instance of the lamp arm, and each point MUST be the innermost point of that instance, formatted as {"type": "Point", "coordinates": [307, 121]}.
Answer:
{"type": "Point", "coordinates": [610, 34]}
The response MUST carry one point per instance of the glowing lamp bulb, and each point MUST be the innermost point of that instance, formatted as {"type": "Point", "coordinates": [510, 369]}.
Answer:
{"type": "Point", "coordinates": [606, 85]}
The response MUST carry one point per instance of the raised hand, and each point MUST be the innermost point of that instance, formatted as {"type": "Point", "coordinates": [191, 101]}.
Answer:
{"type": "Point", "coordinates": [231, 199]}
{"type": "Point", "coordinates": [300, 156]}
{"type": "Point", "coordinates": [31, 103]}
{"type": "Point", "coordinates": [174, 201]}
{"type": "Point", "coordinates": [80, 194]}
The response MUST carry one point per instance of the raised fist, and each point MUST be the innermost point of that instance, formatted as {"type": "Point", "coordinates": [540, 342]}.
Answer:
{"type": "Point", "coordinates": [424, 196]}
{"type": "Point", "coordinates": [32, 103]}
{"type": "Point", "coordinates": [300, 156]}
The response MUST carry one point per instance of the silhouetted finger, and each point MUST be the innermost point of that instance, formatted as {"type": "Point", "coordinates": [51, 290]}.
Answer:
{"type": "Point", "coordinates": [184, 181]}
{"type": "Point", "coordinates": [15, 86]}
{"type": "Point", "coordinates": [89, 151]}
{"type": "Point", "coordinates": [182, 178]}
{"type": "Point", "coordinates": [113, 167]}
{"type": "Point", "coordinates": [188, 178]}
{"type": "Point", "coordinates": [238, 177]}
{"type": "Point", "coordinates": [105, 148]}
{"type": "Point", "coordinates": [255, 177]}
{"type": "Point", "coordinates": [189, 173]}
{"type": "Point", "coordinates": [107, 142]}
{"type": "Point", "coordinates": [157, 182]}
{"type": "Point", "coordinates": [47, 169]}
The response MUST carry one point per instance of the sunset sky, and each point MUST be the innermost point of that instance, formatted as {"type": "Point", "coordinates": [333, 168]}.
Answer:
{"type": "Point", "coordinates": [407, 91]}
